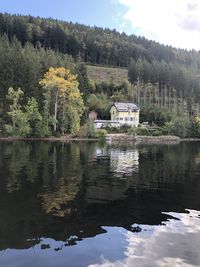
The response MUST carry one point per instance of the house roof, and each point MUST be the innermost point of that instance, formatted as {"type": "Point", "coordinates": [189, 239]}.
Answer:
{"type": "Point", "coordinates": [122, 106]}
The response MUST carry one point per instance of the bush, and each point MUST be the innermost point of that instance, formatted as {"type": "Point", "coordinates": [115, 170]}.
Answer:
{"type": "Point", "coordinates": [101, 134]}
{"type": "Point", "coordinates": [111, 129]}
{"type": "Point", "coordinates": [157, 133]}
{"type": "Point", "coordinates": [142, 131]}
{"type": "Point", "coordinates": [195, 127]}
{"type": "Point", "coordinates": [20, 127]}
{"type": "Point", "coordinates": [87, 130]}
{"type": "Point", "coordinates": [132, 131]}
{"type": "Point", "coordinates": [125, 128]}
{"type": "Point", "coordinates": [179, 127]}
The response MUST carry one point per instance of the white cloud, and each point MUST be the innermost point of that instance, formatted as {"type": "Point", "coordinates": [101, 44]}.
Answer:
{"type": "Point", "coordinates": [172, 22]}
{"type": "Point", "coordinates": [173, 244]}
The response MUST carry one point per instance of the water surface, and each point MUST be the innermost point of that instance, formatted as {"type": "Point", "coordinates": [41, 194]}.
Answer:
{"type": "Point", "coordinates": [88, 204]}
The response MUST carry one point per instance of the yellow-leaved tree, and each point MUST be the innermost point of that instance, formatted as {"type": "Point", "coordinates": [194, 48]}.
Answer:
{"type": "Point", "coordinates": [61, 91]}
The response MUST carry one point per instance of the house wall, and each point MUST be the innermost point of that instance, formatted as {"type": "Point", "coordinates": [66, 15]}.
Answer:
{"type": "Point", "coordinates": [130, 118]}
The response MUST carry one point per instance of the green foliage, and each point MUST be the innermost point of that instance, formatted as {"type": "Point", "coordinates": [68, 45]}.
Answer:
{"type": "Point", "coordinates": [34, 117]}
{"type": "Point", "coordinates": [100, 103]}
{"type": "Point", "coordinates": [157, 133]}
{"type": "Point", "coordinates": [85, 85]}
{"type": "Point", "coordinates": [19, 121]}
{"type": "Point", "coordinates": [156, 115]}
{"type": "Point", "coordinates": [195, 127]}
{"type": "Point", "coordinates": [179, 127]}
{"type": "Point", "coordinates": [110, 129]}
{"type": "Point", "coordinates": [101, 134]}
{"type": "Point", "coordinates": [88, 130]}
{"type": "Point", "coordinates": [142, 131]}
{"type": "Point", "coordinates": [20, 126]}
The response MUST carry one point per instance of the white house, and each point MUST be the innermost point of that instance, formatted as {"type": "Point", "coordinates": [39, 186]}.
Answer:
{"type": "Point", "coordinates": [125, 113]}
{"type": "Point", "coordinates": [121, 114]}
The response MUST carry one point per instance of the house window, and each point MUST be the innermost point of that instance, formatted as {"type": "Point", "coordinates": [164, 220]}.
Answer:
{"type": "Point", "coordinates": [121, 119]}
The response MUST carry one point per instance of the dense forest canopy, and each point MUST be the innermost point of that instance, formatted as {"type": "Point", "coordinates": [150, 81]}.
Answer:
{"type": "Point", "coordinates": [93, 44]}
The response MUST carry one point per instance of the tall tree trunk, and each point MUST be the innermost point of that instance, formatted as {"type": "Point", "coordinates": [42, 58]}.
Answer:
{"type": "Point", "coordinates": [55, 112]}
{"type": "Point", "coordinates": [138, 87]}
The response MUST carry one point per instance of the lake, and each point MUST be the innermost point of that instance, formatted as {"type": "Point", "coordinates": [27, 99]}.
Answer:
{"type": "Point", "coordinates": [99, 205]}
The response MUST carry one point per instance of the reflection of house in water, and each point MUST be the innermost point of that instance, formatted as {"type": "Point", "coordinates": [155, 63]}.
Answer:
{"type": "Point", "coordinates": [124, 161]}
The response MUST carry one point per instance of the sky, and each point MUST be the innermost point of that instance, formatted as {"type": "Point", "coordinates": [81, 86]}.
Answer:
{"type": "Point", "coordinates": [170, 22]}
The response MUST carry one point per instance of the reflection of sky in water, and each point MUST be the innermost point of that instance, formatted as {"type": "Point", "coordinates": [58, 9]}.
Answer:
{"type": "Point", "coordinates": [175, 243]}
{"type": "Point", "coordinates": [124, 162]}
{"type": "Point", "coordinates": [60, 254]}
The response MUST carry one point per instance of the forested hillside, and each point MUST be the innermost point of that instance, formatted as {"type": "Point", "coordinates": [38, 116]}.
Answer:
{"type": "Point", "coordinates": [161, 79]}
{"type": "Point", "coordinates": [93, 44]}
{"type": "Point", "coordinates": [148, 61]}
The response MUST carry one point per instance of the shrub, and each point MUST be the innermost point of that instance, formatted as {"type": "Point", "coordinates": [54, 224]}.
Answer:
{"type": "Point", "coordinates": [195, 127]}
{"type": "Point", "coordinates": [142, 131]}
{"type": "Point", "coordinates": [111, 129]}
{"type": "Point", "coordinates": [157, 133]}
{"type": "Point", "coordinates": [20, 126]}
{"type": "Point", "coordinates": [132, 131]}
{"type": "Point", "coordinates": [101, 134]}
{"type": "Point", "coordinates": [179, 127]}
{"type": "Point", "coordinates": [125, 127]}
{"type": "Point", "coordinates": [88, 130]}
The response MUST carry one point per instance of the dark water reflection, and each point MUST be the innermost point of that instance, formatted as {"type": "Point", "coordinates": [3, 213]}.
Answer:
{"type": "Point", "coordinates": [87, 204]}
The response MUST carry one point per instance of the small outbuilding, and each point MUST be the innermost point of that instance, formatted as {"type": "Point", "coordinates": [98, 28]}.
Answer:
{"type": "Point", "coordinates": [93, 115]}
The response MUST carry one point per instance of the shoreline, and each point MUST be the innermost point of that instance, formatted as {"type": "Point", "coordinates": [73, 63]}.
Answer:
{"type": "Point", "coordinates": [111, 138]}
{"type": "Point", "coordinates": [52, 138]}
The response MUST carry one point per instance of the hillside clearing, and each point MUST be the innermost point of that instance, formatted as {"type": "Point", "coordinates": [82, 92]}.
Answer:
{"type": "Point", "coordinates": [99, 74]}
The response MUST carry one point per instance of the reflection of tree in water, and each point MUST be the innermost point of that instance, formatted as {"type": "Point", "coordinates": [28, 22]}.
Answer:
{"type": "Point", "coordinates": [162, 165]}
{"type": "Point", "coordinates": [58, 166]}
{"type": "Point", "coordinates": [197, 159]}
{"type": "Point", "coordinates": [56, 202]}
{"type": "Point", "coordinates": [18, 156]}
{"type": "Point", "coordinates": [64, 183]}
{"type": "Point", "coordinates": [22, 160]}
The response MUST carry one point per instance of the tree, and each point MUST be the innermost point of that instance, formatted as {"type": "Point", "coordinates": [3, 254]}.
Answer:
{"type": "Point", "coordinates": [195, 127]}
{"type": "Point", "coordinates": [178, 126]}
{"type": "Point", "coordinates": [20, 125]}
{"type": "Point", "coordinates": [63, 92]}
{"type": "Point", "coordinates": [85, 86]}
{"type": "Point", "coordinates": [34, 117]}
